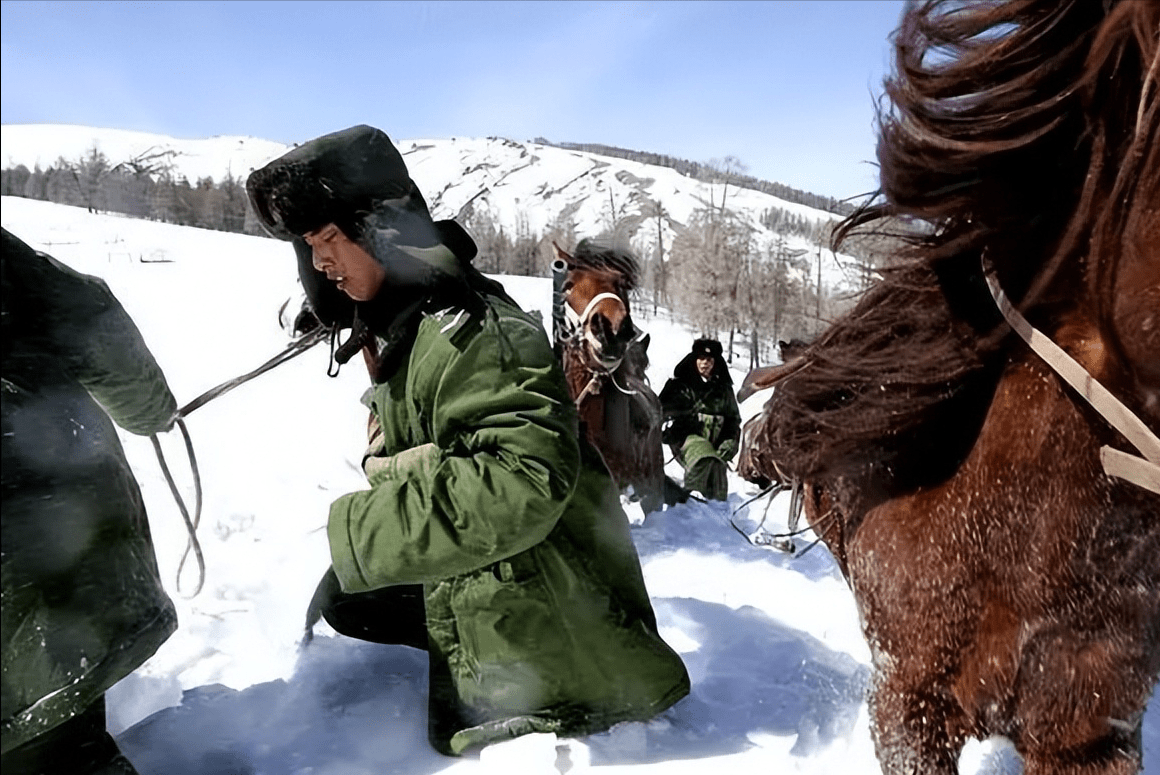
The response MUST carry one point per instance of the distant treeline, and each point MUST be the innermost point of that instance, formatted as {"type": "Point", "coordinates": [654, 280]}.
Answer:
{"type": "Point", "coordinates": [709, 173]}
{"type": "Point", "coordinates": [715, 275]}
{"type": "Point", "coordinates": [144, 187]}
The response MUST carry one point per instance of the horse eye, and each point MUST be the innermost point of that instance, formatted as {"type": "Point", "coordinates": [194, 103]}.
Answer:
{"type": "Point", "coordinates": [568, 286]}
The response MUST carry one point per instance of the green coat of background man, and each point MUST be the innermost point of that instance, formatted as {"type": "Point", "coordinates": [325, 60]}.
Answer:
{"type": "Point", "coordinates": [491, 534]}
{"type": "Point", "coordinates": [83, 604]}
{"type": "Point", "coordinates": [702, 419]}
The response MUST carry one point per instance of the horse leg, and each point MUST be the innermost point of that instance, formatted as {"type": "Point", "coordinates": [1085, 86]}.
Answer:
{"type": "Point", "coordinates": [1087, 725]}
{"type": "Point", "coordinates": [916, 614]}
{"type": "Point", "coordinates": [916, 725]}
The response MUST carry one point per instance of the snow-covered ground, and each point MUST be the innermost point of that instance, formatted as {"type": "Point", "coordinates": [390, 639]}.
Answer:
{"type": "Point", "coordinates": [772, 643]}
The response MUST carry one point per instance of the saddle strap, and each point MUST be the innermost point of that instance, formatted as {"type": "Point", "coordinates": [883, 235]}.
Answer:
{"type": "Point", "coordinates": [1141, 471]}
{"type": "Point", "coordinates": [1131, 468]}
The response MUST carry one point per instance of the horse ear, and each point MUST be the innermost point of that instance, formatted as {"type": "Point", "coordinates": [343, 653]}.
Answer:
{"type": "Point", "coordinates": [562, 254]}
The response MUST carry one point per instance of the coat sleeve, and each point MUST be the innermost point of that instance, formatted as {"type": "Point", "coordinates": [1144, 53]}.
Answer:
{"type": "Point", "coordinates": [82, 324]}
{"type": "Point", "coordinates": [679, 408]}
{"type": "Point", "coordinates": [493, 482]}
{"type": "Point", "coordinates": [731, 431]}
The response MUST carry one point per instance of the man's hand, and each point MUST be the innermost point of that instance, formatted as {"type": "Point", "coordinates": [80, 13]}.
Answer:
{"type": "Point", "coordinates": [711, 424]}
{"type": "Point", "coordinates": [373, 456]}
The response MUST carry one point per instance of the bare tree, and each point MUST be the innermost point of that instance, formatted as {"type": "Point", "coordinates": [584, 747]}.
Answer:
{"type": "Point", "coordinates": [152, 162]}
{"type": "Point", "coordinates": [707, 255]}
{"type": "Point", "coordinates": [657, 269]}
{"type": "Point", "coordinates": [724, 171]}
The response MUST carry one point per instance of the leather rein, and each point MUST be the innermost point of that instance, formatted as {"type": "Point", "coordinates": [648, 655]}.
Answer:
{"type": "Point", "coordinates": [1142, 470]}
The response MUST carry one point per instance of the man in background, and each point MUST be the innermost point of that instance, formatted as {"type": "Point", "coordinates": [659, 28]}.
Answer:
{"type": "Point", "coordinates": [702, 419]}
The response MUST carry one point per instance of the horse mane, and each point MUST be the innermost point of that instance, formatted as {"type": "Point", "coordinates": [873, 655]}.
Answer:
{"type": "Point", "coordinates": [1002, 141]}
{"type": "Point", "coordinates": [593, 254]}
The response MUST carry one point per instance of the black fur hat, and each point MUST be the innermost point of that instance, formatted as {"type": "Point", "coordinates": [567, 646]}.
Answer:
{"type": "Point", "coordinates": [357, 180]}
{"type": "Point", "coordinates": [338, 178]}
{"type": "Point", "coordinates": [710, 348]}
{"type": "Point", "coordinates": [704, 348]}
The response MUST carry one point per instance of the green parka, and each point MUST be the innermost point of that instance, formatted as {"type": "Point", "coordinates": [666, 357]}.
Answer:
{"type": "Point", "coordinates": [537, 613]}
{"type": "Point", "coordinates": [83, 604]}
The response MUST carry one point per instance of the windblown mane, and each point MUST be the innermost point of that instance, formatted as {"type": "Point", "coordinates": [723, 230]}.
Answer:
{"type": "Point", "coordinates": [999, 151]}
{"type": "Point", "coordinates": [590, 254]}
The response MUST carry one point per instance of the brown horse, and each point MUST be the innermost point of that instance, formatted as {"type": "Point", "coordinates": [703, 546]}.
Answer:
{"type": "Point", "coordinates": [605, 359]}
{"type": "Point", "coordinates": [767, 376]}
{"type": "Point", "coordinates": [972, 462]}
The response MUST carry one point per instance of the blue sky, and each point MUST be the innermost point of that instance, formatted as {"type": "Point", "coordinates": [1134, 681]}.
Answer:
{"type": "Point", "coordinates": [788, 88]}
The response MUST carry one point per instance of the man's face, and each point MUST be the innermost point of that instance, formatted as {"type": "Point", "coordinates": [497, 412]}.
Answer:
{"type": "Point", "coordinates": [704, 365]}
{"type": "Point", "coordinates": [355, 271]}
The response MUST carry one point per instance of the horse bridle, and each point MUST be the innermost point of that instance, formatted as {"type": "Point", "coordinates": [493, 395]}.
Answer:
{"type": "Point", "coordinates": [1142, 471]}
{"type": "Point", "coordinates": [578, 331]}
{"type": "Point", "coordinates": [578, 322]}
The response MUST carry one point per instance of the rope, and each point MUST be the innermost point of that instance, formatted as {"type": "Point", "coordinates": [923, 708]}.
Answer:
{"type": "Point", "coordinates": [296, 348]}
{"type": "Point", "coordinates": [779, 487]}
{"type": "Point", "coordinates": [626, 391]}
{"type": "Point", "coordinates": [191, 524]}
{"type": "Point", "coordinates": [795, 505]}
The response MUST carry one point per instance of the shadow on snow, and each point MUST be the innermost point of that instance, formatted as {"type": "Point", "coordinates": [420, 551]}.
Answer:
{"type": "Point", "coordinates": [355, 707]}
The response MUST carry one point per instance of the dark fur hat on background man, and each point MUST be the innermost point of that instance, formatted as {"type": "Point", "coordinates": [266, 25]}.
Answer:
{"type": "Point", "coordinates": [704, 348]}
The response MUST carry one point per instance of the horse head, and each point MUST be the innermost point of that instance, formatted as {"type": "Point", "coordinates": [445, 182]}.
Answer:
{"type": "Point", "coordinates": [765, 377]}
{"type": "Point", "coordinates": [595, 306]}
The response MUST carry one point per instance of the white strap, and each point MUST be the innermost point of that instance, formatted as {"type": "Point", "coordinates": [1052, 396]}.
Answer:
{"type": "Point", "coordinates": [1131, 468]}
{"type": "Point", "coordinates": [1138, 471]}
{"type": "Point", "coordinates": [579, 320]}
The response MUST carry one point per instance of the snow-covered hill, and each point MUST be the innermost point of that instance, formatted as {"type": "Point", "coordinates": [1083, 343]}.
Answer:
{"type": "Point", "coordinates": [525, 187]}
{"type": "Point", "coordinates": [216, 157]}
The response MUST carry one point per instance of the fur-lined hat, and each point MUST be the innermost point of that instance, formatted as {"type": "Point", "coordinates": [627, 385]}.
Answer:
{"type": "Point", "coordinates": [357, 180]}
{"type": "Point", "coordinates": [338, 178]}
{"type": "Point", "coordinates": [704, 348]}
{"type": "Point", "coordinates": [707, 348]}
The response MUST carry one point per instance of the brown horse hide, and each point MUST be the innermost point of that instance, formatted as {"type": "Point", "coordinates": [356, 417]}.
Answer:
{"type": "Point", "coordinates": [1008, 583]}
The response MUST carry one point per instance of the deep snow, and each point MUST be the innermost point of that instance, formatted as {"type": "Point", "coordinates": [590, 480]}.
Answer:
{"type": "Point", "coordinates": [772, 643]}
